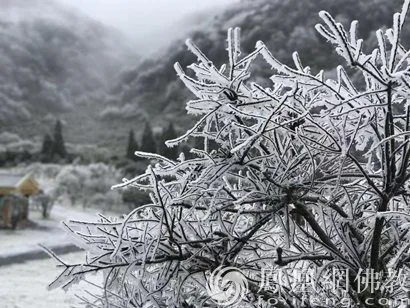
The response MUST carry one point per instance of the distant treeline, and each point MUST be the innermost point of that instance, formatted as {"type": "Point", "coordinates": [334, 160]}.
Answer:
{"type": "Point", "coordinates": [152, 144]}
{"type": "Point", "coordinates": [54, 150]}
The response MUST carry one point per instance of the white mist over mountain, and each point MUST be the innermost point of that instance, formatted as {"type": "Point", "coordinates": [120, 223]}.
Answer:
{"type": "Point", "coordinates": [148, 24]}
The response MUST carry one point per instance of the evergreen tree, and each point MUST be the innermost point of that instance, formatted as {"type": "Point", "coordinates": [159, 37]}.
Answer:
{"type": "Point", "coordinates": [148, 143]}
{"type": "Point", "coordinates": [168, 134]}
{"type": "Point", "coordinates": [59, 146]}
{"type": "Point", "coordinates": [47, 148]}
{"type": "Point", "coordinates": [132, 146]}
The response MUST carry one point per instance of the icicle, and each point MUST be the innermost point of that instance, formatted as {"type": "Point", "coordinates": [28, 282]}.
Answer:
{"type": "Point", "coordinates": [358, 50]}
{"type": "Point", "coordinates": [352, 32]}
{"type": "Point", "coordinates": [395, 42]}
{"type": "Point", "coordinates": [382, 47]}
{"type": "Point", "coordinates": [403, 13]}
{"type": "Point", "coordinates": [196, 51]}
{"type": "Point", "coordinates": [297, 61]}
{"type": "Point", "coordinates": [237, 43]}
{"type": "Point", "coordinates": [231, 55]}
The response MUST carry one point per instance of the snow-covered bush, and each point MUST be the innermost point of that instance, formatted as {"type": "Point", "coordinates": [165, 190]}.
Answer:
{"type": "Point", "coordinates": [87, 185]}
{"type": "Point", "coordinates": [310, 177]}
{"type": "Point", "coordinates": [12, 142]}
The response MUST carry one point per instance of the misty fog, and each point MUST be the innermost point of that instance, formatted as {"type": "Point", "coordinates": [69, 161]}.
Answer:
{"type": "Point", "coordinates": [148, 24]}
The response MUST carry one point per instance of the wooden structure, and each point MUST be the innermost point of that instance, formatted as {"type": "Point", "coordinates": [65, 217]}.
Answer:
{"type": "Point", "coordinates": [15, 189]}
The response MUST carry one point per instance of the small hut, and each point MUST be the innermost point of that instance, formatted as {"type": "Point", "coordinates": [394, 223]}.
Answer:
{"type": "Point", "coordinates": [15, 189]}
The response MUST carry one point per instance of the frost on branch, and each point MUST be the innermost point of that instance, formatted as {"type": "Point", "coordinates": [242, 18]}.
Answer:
{"type": "Point", "coordinates": [310, 174]}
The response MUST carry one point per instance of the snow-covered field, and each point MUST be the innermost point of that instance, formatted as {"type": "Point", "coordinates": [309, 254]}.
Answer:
{"type": "Point", "coordinates": [25, 285]}
{"type": "Point", "coordinates": [50, 233]}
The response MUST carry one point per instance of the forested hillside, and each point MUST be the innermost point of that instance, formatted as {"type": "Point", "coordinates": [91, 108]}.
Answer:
{"type": "Point", "coordinates": [284, 26]}
{"type": "Point", "coordinates": [55, 63]}
{"type": "Point", "coordinates": [59, 64]}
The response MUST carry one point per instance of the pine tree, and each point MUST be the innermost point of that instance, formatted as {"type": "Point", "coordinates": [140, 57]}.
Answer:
{"type": "Point", "coordinates": [47, 148]}
{"type": "Point", "coordinates": [132, 146]}
{"type": "Point", "coordinates": [59, 146]}
{"type": "Point", "coordinates": [148, 143]}
{"type": "Point", "coordinates": [168, 134]}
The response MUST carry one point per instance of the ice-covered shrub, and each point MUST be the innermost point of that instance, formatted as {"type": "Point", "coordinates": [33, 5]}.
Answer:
{"type": "Point", "coordinates": [82, 184]}
{"type": "Point", "coordinates": [310, 176]}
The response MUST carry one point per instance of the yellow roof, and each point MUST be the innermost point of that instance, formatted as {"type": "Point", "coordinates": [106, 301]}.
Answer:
{"type": "Point", "coordinates": [10, 182]}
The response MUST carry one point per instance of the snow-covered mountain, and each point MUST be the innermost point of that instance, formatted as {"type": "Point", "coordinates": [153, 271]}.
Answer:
{"type": "Point", "coordinates": [55, 63]}
{"type": "Point", "coordinates": [58, 63]}
{"type": "Point", "coordinates": [284, 26]}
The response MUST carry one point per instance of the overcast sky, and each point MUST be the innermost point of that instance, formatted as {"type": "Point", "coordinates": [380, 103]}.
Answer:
{"type": "Point", "coordinates": [137, 18]}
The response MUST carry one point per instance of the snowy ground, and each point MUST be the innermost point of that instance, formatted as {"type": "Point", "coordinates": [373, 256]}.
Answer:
{"type": "Point", "coordinates": [50, 232]}
{"type": "Point", "coordinates": [25, 284]}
